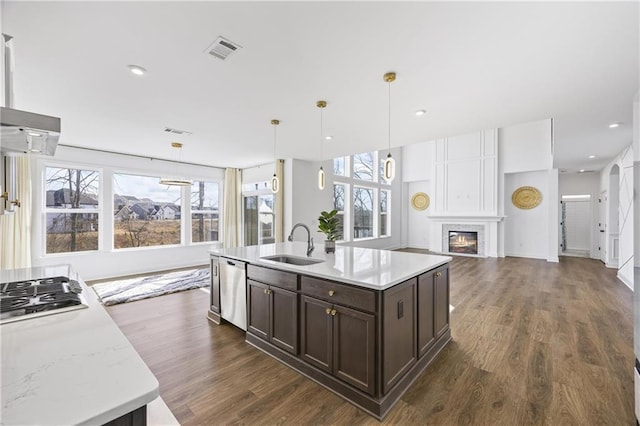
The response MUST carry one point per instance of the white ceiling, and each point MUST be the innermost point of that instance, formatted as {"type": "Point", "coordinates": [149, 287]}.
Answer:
{"type": "Point", "coordinates": [470, 65]}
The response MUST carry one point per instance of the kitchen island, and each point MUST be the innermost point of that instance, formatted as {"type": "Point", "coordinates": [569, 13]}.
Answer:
{"type": "Point", "coordinates": [72, 367]}
{"type": "Point", "coordinates": [363, 323]}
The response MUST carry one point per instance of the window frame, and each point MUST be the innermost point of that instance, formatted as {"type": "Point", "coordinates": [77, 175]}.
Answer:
{"type": "Point", "coordinates": [376, 185]}
{"type": "Point", "coordinates": [47, 210]}
{"type": "Point", "coordinates": [265, 190]}
{"type": "Point", "coordinates": [189, 233]}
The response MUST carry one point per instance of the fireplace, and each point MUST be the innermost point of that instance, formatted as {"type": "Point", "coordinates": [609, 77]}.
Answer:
{"type": "Point", "coordinates": [465, 242]}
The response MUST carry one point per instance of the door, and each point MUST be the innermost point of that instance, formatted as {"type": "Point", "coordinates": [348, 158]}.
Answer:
{"type": "Point", "coordinates": [258, 309]}
{"type": "Point", "coordinates": [316, 338]}
{"type": "Point", "coordinates": [426, 333]}
{"type": "Point", "coordinates": [399, 332]}
{"type": "Point", "coordinates": [354, 347]}
{"type": "Point", "coordinates": [284, 319]}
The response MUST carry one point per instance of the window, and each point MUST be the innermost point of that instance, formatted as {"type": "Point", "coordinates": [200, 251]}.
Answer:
{"type": "Point", "coordinates": [146, 213]}
{"type": "Point", "coordinates": [258, 214]}
{"type": "Point", "coordinates": [384, 213]}
{"type": "Point", "coordinates": [338, 204]}
{"type": "Point", "coordinates": [205, 214]}
{"type": "Point", "coordinates": [72, 209]}
{"type": "Point", "coordinates": [363, 166]}
{"type": "Point", "coordinates": [362, 200]}
{"type": "Point", "coordinates": [340, 166]}
{"type": "Point", "coordinates": [362, 212]}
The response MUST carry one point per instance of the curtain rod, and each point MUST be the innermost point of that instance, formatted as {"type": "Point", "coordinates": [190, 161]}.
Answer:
{"type": "Point", "coordinates": [140, 156]}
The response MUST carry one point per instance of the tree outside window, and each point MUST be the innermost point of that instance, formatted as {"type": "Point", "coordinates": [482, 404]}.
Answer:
{"type": "Point", "coordinates": [72, 209]}
{"type": "Point", "coordinates": [205, 214]}
{"type": "Point", "coordinates": [362, 212]}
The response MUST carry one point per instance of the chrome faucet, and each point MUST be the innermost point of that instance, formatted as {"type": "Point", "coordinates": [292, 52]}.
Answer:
{"type": "Point", "coordinates": [310, 246]}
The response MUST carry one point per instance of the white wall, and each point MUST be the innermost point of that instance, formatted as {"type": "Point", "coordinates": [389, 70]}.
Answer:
{"type": "Point", "coordinates": [526, 232]}
{"type": "Point", "coordinates": [108, 262]}
{"type": "Point", "coordinates": [526, 147]}
{"type": "Point", "coordinates": [465, 176]}
{"type": "Point", "coordinates": [582, 184]}
{"type": "Point", "coordinates": [307, 201]}
{"type": "Point", "coordinates": [624, 160]}
{"type": "Point", "coordinates": [525, 155]}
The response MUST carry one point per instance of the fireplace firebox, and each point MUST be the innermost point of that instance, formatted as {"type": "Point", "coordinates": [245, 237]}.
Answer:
{"type": "Point", "coordinates": [465, 242]}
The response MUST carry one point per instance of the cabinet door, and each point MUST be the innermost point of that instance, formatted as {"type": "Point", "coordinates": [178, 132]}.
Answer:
{"type": "Point", "coordinates": [284, 319]}
{"type": "Point", "coordinates": [426, 314]}
{"type": "Point", "coordinates": [399, 332]}
{"type": "Point", "coordinates": [441, 295]}
{"type": "Point", "coordinates": [215, 285]}
{"type": "Point", "coordinates": [258, 309]}
{"type": "Point", "coordinates": [354, 334]}
{"type": "Point", "coordinates": [316, 335]}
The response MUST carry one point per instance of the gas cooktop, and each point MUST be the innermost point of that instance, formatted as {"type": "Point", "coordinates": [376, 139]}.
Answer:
{"type": "Point", "coordinates": [34, 298]}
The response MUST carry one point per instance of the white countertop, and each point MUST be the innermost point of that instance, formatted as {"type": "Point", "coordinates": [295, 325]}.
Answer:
{"type": "Point", "coordinates": [364, 267]}
{"type": "Point", "coordinates": [74, 367]}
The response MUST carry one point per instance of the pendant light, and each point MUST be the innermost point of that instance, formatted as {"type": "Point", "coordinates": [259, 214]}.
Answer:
{"type": "Point", "coordinates": [275, 183]}
{"type": "Point", "coordinates": [321, 178]}
{"type": "Point", "coordinates": [174, 181]}
{"type": "Point", "coordinates": [389, 169]}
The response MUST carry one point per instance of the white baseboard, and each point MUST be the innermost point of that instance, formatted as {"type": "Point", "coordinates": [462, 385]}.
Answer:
{"type": "Point", "coordinates": [625, 280]}
{"type": "Point", "coordinates": [529, 256]}
{"type": "Point", "coordinates": [555, 259]}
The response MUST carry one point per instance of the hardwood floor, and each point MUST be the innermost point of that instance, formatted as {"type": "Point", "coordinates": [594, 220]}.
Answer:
{"type": "Point", "coordinates": [533, 343]}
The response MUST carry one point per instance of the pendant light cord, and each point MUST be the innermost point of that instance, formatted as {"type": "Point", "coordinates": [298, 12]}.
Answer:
{"type": "Point", "coordinates": [321, 146]}
{"type": "Point", "coordinates": [389, 117]}
{"type": "Point", "coordinates": [274, 148]}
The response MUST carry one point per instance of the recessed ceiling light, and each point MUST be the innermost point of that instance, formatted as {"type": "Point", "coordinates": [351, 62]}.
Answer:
{"type": "Point", "coordinates": [420, 112]}
{"type": "Point", "coordinates": [592, 156]}
{"type": "Point", "coordinates": [328, 137]}
{"type": "Point", "coordinates": [581, 170]}
{"type": "Point", "coordinates": [614, 125]}
{"type": "Point", "coordinates": [137, 69]}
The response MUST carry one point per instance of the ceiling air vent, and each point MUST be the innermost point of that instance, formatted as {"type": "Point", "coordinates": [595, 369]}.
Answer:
{"type": "Point", "coordinates": [176, 131]}
{"type": "Point", "coordinates": [222, 48]}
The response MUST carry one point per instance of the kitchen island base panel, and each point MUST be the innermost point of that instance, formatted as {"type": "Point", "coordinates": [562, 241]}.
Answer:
{"type": "Point", "coordinates": [214, 317]}
{"type": "Point", "coordinates": [135, 418]}
{"type": "Point", "coordinates": [377, 407]}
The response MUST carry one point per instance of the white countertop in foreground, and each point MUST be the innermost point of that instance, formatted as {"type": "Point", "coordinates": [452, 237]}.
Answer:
{"type": "Point", "coordinates": [70, 368]}
{"type": "Point", "coordinates": [371, 268]}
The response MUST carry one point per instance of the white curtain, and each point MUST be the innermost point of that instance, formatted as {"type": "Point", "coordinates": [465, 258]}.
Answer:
{"type": "Point", "coordinates": [15, 228]}
{"type": "Point", "coordinates": [232, 208]}
{"type": "Point", "coordinates": [279, 217]}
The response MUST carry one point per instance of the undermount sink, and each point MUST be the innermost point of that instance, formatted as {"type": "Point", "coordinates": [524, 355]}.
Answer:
{"type": "Point", "coordinates": [292, 260]}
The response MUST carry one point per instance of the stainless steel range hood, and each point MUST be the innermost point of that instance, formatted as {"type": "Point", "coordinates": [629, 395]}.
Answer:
{"type": "Point", "coordinates": [23, 131]}
{"type": "Point", "coordinates": [28, 132]}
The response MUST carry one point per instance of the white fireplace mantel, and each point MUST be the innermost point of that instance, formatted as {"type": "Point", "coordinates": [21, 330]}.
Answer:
{"type": "Point", "coordinates": [465, 218]}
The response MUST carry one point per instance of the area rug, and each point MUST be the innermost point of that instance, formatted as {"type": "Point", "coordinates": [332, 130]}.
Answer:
{"type": "Point", "coordinates": [129, 290]}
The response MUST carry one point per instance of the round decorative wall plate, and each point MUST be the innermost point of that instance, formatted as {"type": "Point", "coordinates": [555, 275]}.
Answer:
{"type": "Point", "coordinates": [420, 201]}
{"type": "Point", "coordinates": [526, 197]}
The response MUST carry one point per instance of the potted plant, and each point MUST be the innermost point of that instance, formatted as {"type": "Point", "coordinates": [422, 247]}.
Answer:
{"type": "Point", "coordinates": [328, 225]}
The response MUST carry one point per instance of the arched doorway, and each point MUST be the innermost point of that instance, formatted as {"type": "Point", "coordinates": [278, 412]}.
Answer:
{"type": "Point", "coordinates": [613, 218]}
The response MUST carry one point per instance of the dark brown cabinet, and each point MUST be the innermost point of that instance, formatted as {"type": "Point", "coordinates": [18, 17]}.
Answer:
{"type": "Point", "coordinates": [400, 331]}
{"type": "Point", "coordinates": [272, 314]}
{"type": "Point", "coordinates": [441, 300]}
{"type": "Point", "coordinates": [366, 344]}
{"type": "Point", "coordinates": [433, 307]}
{"type": "Point", "coordinates": [339, 340]}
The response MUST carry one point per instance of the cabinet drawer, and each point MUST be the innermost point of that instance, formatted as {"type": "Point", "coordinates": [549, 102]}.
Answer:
{"type": "Point", "coordinates": [339, 293]}
{"type": "Point", "coordinates": [281, 279]}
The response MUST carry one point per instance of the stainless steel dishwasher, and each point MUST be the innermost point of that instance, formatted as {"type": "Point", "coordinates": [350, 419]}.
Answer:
{"type": "Point", "coordinates": [233, 292]}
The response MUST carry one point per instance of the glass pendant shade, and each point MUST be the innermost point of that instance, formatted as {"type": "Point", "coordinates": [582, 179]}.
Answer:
{"type": "Point", "coordinates": [275, 184]}
{"type": "Point", "coordinates": [321, 178]}
{"type": "Point", "coordinates": [389, 168]}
